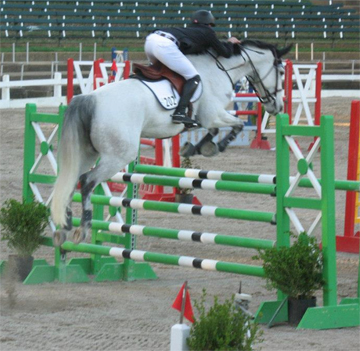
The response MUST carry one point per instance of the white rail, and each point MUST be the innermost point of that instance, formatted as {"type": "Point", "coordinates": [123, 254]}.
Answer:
{"type": "Point", "coordinates": [57, 82]}
{"type": "Point", "coordinates": [50, 101]}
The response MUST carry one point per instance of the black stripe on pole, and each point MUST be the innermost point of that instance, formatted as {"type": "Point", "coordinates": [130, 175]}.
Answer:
{"type": "Point", "coordinates": [203, 174]}
{"type": "Point", "coordinates": [196, 210]}
{"type": "Point", "coordinates": [126, 253]}
{"type": "Point", "coordinates": [196, 236]}
{"type": "Point", "coordinates": [126, 202]}
{"type": "Point", "coordinates": [127, 177]}
{"type": "Point", "coordinates": [196, 183]}
{"type": "Point", "coordinates": [125, 228]}
{"type": "Point", "coordinates": [197, 263]}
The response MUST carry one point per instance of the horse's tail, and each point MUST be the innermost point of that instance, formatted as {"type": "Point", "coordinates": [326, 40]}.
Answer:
{"type": "Point", "coordinates": [74, 137]}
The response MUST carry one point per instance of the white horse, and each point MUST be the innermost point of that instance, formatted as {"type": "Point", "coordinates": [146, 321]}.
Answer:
{"type": "Point", "coordinates": [109, 122]}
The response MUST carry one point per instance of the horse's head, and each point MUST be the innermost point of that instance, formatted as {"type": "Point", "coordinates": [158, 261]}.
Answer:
{"type": "Point", "coordinates": [265, 74]}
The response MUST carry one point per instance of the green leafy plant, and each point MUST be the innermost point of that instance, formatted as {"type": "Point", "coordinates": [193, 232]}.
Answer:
{"type": "Point", "coordinates": [295, 270]}
{"type": "Point", "coordinates": [23, 225]}
{"type": "Point", "coordinates": [222, 327]}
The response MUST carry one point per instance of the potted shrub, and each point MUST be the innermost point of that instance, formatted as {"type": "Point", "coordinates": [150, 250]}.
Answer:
{"type": "Point", "coordinates": [296, 271]}
{"type": "Point", "coordinates": [185, 195]}
{"type": "Point", "coordinates": [23, 225]}
{"type": "Point", "coordinates": [222, 327]}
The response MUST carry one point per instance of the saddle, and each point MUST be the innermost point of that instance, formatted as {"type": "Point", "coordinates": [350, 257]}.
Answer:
{"type": "Point", "coordinates": [159, 71]}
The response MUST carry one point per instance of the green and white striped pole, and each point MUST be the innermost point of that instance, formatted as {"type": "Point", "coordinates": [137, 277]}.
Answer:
{"type": "Point", "coordinates": [184, 261]}
{"type": "Point", "coordinates": [182, 235]}
{"type": "Point", "coordinates": [220, 212]}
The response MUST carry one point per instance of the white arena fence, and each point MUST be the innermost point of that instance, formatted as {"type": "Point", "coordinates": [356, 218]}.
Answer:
{"type": "Point", "coordinates": [55, 84]}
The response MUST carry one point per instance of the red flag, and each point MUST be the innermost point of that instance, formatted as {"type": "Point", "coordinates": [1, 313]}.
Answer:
{"type": "Point", "coordinates": [114, 67]}
{"type": "Point", "coordinates": [177, 304]}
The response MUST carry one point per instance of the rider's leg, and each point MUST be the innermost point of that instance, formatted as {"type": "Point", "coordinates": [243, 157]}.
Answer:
{"type": "Point", "coordinates": [189, 88]}
{"type": "Point", "coordinates": [167, 52]}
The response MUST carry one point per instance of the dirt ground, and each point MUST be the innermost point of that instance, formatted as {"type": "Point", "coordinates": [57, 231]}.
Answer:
{"type": "Point", "coordinates": [138, 315]}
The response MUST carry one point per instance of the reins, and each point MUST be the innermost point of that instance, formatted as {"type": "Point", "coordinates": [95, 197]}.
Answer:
{"type": "Point", "coordinates": [222, 68]}
{"type": "Point", "coordinates": [268, 96]}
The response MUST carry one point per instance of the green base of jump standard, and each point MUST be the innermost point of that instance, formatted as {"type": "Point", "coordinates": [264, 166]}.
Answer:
{"type": "Point", "coordinates": [267, 311]}
{"type": "Point", "coordinates": [77, 270]}
{"type": "Point", "coordinates": [118, 271]}
{"type": "Point", "coordinates": [326, 317]}
{"type": "Point", "coordinates": [350, 301]}
{"type": "Point", "coordinates": [331, 317]}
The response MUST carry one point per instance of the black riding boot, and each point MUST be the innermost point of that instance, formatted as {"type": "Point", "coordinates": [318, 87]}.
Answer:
{"type": "Point", "coordinates": [180, 113]}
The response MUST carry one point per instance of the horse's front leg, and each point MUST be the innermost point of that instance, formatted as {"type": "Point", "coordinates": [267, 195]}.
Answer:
{"type": "Point", "coordinates": [204, 147]}
{"type": "Point", "coordinates": [221, 118]}
{"type": "Point", "coordinates": [222, 145]}
{"type": "Point", "coordinates": [87, 188]}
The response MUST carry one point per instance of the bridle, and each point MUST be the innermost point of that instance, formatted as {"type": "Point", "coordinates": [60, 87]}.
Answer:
{"type": "Point", "coordinates": [268, 96]}
{"type": "Point", "coordinates": [256, 79]}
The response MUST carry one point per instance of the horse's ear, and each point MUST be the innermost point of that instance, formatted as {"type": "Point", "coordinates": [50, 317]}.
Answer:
{"type": "Point", "coordinates": [284, 51]}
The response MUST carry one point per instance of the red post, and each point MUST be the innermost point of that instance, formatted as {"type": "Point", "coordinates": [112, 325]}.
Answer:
{"type": "Point", "coordinates": [126, 70]}
{"type": "Point", "coordinates": [318, 99]}
{"type": "Point", "coordinates": [176, 151]}
{"type": "Point", "coordinates": [288, 88]}
{"type": "Point", "coordinates": [349, 242]}
{"type": "Point", "coordinates": [97, 72]}
{"type": "Point", "coordinates": [318, 93]}
{"type": "Point", "coordinates": [70, 80]}
{"type": "Point", "coordinates": [259, 142]}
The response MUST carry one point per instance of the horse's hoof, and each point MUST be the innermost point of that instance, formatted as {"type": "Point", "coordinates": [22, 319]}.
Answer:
{"type": "Point", "coordinates": [59, 238]}
{"type": "Point", "coordinates": [79, 236]}
{"type": "Point", "coordinates": [209, 149]}
{"type": "Point", "coordinates": [187, 150]}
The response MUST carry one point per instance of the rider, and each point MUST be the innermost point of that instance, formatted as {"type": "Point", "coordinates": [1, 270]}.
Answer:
{"type": "Point", "coordinates": [170, 45]}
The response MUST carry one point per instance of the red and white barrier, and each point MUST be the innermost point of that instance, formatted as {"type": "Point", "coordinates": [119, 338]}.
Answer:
{"type": "Point", "coordinates": [308, 92]}
{"type": "Point", "coordinates": [350, 241]}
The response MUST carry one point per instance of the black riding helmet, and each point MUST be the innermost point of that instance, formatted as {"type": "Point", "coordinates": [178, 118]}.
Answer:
{"type": "Point", "coordinates": [203, 17]}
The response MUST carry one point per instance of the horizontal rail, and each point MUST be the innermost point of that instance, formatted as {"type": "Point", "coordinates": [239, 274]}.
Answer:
{"type": "Point", "coordinates": [182, 235]}
{"type": "Point", "coordinates": [346, 185]}
{"type": "Point", "coordinates": [189, 183]}
{"type": "Point", "coordinates": [184, 261]}
{"type": "Point", "coordinates": [214, 211]}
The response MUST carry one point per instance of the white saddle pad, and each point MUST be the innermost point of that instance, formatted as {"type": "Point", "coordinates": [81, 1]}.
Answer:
{"type": "Point", "coordinates": [166, 94]}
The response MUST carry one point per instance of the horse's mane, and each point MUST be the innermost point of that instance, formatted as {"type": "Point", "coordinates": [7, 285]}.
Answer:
{"type": "Point", "coordinates": [238, 48]}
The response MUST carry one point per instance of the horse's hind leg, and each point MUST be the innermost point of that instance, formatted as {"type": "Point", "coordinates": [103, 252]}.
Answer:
{"type": "Point", "coordinates": [87, 161]}
{"type": "Point", "coordinates": [106, 168]}
{"type": "Point", "coordinates": [60, 235]}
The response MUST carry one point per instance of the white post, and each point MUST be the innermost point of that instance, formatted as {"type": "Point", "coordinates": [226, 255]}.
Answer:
{"type": "Point", "coordinates": [13, 52]}
{"type": "Point", "coordinates": [296, 51]}
{"type": "Point", "coordinates": [2, 61]}
{"type": "Point", "coordinates": [27, 52]}
{"type": "Point", "coordinates": [312, 51]}
{"type": "Point", "coordinates": [94, 51]}
{"type": "Point", "coordinates": [80, 51]}
{"type": "Point", "coordinates": [5, 94]}
{"type": "Point", "coordinates": [179, 334]}
{"type": "Point", "coordinates": [57, 86]}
